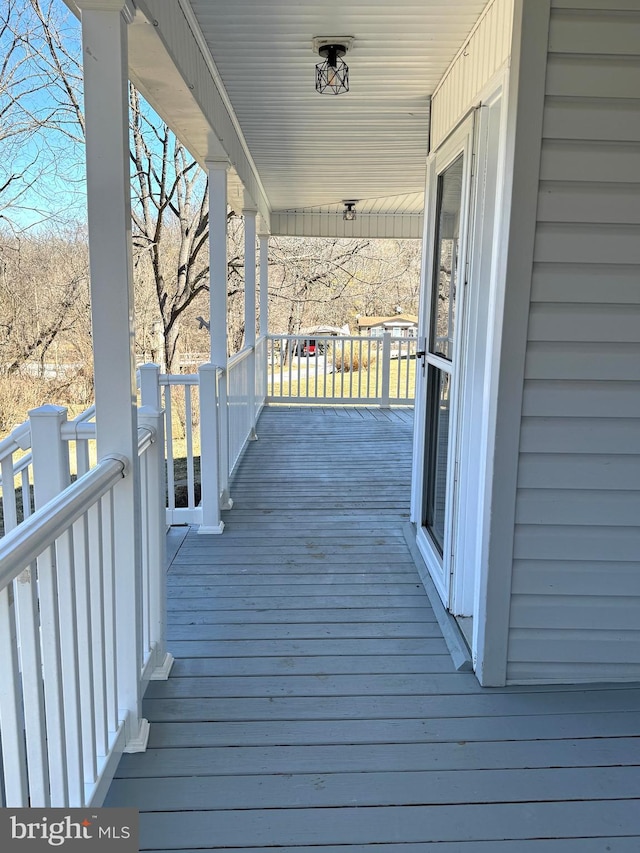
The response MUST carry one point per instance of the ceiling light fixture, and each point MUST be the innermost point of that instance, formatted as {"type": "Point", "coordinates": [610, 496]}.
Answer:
{"type": "Point", "coordinates": [332, 75]}
{"type": "Point", "coordinates": [349, 210]}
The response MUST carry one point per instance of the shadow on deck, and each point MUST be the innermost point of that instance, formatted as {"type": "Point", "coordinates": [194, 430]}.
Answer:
{"type": "Point", "coordinates": [313, 705]}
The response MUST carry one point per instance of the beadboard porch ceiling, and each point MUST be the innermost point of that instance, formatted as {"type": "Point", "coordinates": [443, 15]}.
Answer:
{"type": "Point", "coordinates": [311, 151]}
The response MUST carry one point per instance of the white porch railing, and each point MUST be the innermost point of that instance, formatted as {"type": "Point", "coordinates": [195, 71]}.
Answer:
{"type": "Point", "coordinates": [16, 465]}
{"type": "Point", "coordinates": [180, 398]}
{"type": "Point", "coordinates": [343, 370]}
{"type": "Point", "coordinates": [241, 402]}
{"type": "Point", "coordinates": [65, 704]}
{"type": "Point", "coordinates": [261, 375]}
{"type": "Point", "coordinates": [203, 446]}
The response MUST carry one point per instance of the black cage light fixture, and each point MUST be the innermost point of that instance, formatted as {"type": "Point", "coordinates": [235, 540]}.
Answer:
{"type": "Point", "coordinates": [332, 75]}
{"type": "Point", "coordinates": [349, 213]}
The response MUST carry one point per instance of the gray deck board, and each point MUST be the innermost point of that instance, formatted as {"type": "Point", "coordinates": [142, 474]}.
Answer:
{"type": "Point", "coordinates": [316, 615]}
{"type": "Point", "coordinates": [362, 824]}
{"type": "Point", "coordinates": [252, 732]}
{"type": "Point", "coordinates": [318, 665]}
{"type": "Point", "coordinates": [165, 759]}
{"type": "Point", "coordinates": [313, 707]}
{"type": "Point", "coordinates": [391, 788]}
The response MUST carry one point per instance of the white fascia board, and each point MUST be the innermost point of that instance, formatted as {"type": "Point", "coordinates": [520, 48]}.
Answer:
{"type": "Point", "coordinates": [404, 226]}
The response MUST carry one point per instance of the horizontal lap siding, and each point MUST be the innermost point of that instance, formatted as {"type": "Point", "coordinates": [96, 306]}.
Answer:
{"type": "Point", "coordinates": [575, 606]}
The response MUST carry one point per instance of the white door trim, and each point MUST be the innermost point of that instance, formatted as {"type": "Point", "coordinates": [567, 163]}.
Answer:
{"type": "Point", "coordinates": [477, 337]}
{"type": "Point", "coordinates": [516, 233]}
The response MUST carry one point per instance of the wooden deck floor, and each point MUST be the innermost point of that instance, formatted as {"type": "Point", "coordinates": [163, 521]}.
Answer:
{"type": "Point", "coordinates": [313, 705]}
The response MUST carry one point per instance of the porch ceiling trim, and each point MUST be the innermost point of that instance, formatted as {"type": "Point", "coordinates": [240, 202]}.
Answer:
{"type": "Point", "coordinates": [399, 226]}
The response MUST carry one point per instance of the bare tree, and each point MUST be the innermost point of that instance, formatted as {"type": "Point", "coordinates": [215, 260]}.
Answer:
{"type": "Point", "coordinates": [39, 100]}
{"type": "Point", "coordinates": [330, 281]}
{"type": "Point", "coordinates": [43, 297]}
{"type": "Point", "coordinates": [171, 228]}
{"type": "Point", "coordinates": [171, 219]}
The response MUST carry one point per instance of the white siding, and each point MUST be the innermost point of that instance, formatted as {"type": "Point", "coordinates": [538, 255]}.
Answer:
{"type": "Point", "coordinates": [575, 606]}
{"type": "Point", "coordinates": [484, 52]}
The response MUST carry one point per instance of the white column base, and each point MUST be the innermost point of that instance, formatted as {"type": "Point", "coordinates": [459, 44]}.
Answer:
{"type": "Point", "coordinates": [226, 501]}
{"type": "Point", "coordinates": [161, 673]}
{"type": "Point", "coordinates": [207, 530]}
{"type": "Point", "coordinates": [140, 741]}
{"type": "Point", "coordinates": [253, 435]}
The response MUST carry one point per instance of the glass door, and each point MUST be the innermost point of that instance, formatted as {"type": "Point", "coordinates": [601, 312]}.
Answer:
{"type": "Point", "coordinates": [449, 177]}
{"type": "Point", "coordinates": [440, 351]}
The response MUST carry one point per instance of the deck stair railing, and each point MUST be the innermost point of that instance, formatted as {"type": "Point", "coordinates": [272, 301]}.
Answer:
{"type": "Point", "coordinates": [365, 370]}
{"type": "Point", "coordinates": [82, 620]}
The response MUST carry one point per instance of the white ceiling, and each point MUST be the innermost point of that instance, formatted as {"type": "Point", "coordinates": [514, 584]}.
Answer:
{"type": "Point", "coordinates": [312, 150]}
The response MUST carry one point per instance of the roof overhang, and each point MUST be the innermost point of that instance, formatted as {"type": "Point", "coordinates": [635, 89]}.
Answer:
{"type": "Point", "coordinates": [235, 80]}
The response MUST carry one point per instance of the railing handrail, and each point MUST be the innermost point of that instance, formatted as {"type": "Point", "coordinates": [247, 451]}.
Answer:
{"type": "Point", "coordinates": [16, 440]}
{"type": "Point", "coordinates": [178, 379]}
{"type": "Point", "coordinates": [85, 416]}
{"type": "Point", "coordinates": [239, 357]}
{"type": "Point", "coordinates": [22, 545]}
{"type": "Point", "coordinates": [78, 431]}
{"type": "Point", "coordinates": [305, 336]}
{"type": "Point", "coordinates": [146, 437]}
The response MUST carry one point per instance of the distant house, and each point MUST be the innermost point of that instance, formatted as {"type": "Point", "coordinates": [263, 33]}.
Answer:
{"type": "Point", "coordinates": [305, 343]}
{"type": "Point", "coordinates": [400, 325]}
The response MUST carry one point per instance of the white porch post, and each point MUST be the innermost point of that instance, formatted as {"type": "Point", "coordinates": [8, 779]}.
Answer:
{"type": "Point", "coordinates": [217, 171]}
{"type": "Point", "coordinates": [264, 284]}
{"type": "Point", "coordinates": [250, 309]}
{"type": "Point", "coordinates": [263, 239]}
{"type": "Point", "coordinates": [104, 38]}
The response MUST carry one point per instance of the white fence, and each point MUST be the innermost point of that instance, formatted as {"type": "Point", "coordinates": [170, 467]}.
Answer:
{"type": "Point", "coordinates": [341, 370]}
{"type": "Point", "coordinates": [67, 643]}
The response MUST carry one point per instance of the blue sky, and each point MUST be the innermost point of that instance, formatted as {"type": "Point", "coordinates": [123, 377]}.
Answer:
{"type": "Point", "coordinates": [50, 190]}
{"type": "Point", "coordinates": [45, 167]}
